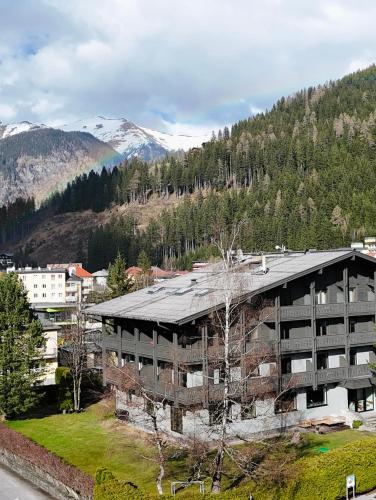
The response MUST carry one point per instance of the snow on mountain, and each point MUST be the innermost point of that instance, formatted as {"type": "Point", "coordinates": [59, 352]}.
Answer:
{"type": "Point", "coordinates": [127, 138]}
{"type": "Point", "coordinates": [130, 140]}
{"type": "Point", "coordinates": [8, 129]}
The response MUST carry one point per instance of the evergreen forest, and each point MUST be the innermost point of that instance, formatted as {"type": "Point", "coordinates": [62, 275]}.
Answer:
{"type": "Point", "coordinates": [302, 174]}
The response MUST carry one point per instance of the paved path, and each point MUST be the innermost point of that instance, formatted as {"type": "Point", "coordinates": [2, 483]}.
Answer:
{"type": "Point", "coordinates": [13, 487]}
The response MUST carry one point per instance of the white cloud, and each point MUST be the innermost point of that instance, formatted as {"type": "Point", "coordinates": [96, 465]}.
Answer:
{"type": "Point", "coordinates": [7, 112]}
{"type": "Point", "coordinates": [186, 65]}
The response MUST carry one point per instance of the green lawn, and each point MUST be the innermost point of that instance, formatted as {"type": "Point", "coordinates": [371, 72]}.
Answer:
{"type": "Point", "coordinates": [317, 443]}
{"type": "Point", "coordinates": [92, 439]}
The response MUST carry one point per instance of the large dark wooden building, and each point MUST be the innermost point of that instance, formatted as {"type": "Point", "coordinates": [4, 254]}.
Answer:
{"type": "Point", "coordinates": [316, 313]}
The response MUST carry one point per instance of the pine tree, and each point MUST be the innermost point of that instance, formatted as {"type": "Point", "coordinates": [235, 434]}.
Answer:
{"type": "Point", "coordinates": [143, 262]}
{"type": "Point", "coordinates": [117, 281]}
{"type": "Point", "coordinates": [21, 338]}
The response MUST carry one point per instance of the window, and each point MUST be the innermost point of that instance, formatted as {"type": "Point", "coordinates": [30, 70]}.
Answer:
{"type": "Point", "coordinates": [316, 398]}
{"type": "Point", "coordinates": [53, 286]}
{"type": "Point", "coordinates": [321, 296]}
{"type": "Point", "coordinates": [52, 277]}
{"type": "Point", "coordinates": [35, 286]}
{"type": "Point", "coordinates": [352, 325]}
{"type": "Point", "coordinates": [60, 276]}
{"type": "Point", "coordinates": [285, 332]}
{"type": "Point", "coordinates": [322, 361]}
{"type": "Point", "coordinates": [285, 403]}
{"type": "Point", "coordinates": [321, 328]}
{"type": "Point", "coordinates": [43, 276]}
{"type": "Point", "coordinates": [352, 294]}
{"type": "Point", "coordinates": [60, 294]}
{"type": "Point", "coordinates": [35, 295]}
{"type": "Point", "coordinates": [177, 420]}
{"type": "Point", "coordinates": [286, 365]}
{"type": "Point", "coordinates": [248, 410]}
{"type": "Point", "coordinates": [44, 285]}
{"type": "Point", "coordinates": [361, 399]}
{"type": "Point", "coordinates": [60, 285]}
{"type": "Point", "coordinates": [44, 295]}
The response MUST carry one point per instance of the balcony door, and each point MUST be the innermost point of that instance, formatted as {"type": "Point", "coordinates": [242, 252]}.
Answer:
{"type": "Point", "coordinates": [361, 399]}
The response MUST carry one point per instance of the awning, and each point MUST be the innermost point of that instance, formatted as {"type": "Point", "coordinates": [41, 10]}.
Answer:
{"type": "Point", "coordinates": [357, 383]}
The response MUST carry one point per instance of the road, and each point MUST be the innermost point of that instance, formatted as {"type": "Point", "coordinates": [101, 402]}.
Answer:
{"type": "Point", "coordinates": [13, 487]}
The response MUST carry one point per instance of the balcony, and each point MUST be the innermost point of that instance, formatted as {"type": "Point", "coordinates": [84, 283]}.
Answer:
{"type": "Point", "coordinates": [111, 342]}
{"type": "Point", "coordinates": [303, 344]}
{"type": "Point", "coordinates": [325, 310]}
{"type": "Point", "coordinates": [295, 312]}
{"type": "Point", "coordinates": [331, 375]}
{"type": "Point", "coordinates": [359, 371]}
{"type": "Point", "coordinates": [330, 341]}
{"type": "Point", "coordinates": [297, 379]}
{"type": "Point", "coordinates": [362, 307]}
{"type": "Point", "coordinates": [362, 338]}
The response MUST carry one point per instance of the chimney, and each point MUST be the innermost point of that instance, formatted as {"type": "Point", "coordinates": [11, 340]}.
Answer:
{"type": "Point", "coordinates": [193, 281]}
{"type": "Point", "coordinates": [263, 264]}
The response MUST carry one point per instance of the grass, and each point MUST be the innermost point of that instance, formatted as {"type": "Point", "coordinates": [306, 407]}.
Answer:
{"type": "Point", "coordinates": [332, 440]}
{"type": "Point", "coordinates": [93, 439]}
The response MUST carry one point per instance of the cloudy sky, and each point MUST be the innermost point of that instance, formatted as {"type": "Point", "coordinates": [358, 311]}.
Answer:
{"type": "Point", "coordinates": [183, 66]}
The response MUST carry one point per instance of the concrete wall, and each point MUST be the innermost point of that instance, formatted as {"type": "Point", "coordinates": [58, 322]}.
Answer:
{"type": "Point", "coordinates": [37, 476]}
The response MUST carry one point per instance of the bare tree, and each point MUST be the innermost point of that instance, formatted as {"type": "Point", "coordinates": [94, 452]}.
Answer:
{"type": "Point", "coordinates": [140, 398]}
{"type": "Point", "coordinates": [75, 355]}
{"type": "Point", "coordinates": [246, 367]}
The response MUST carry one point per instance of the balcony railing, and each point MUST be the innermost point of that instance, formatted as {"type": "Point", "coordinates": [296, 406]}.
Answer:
{"type": "Point", "coordinates": [295, 312]}
{"type": "Point", "coordinates": [359, 371]}
{"type": "Point", "coordinates": [331, 375]}
{"type": "Point", "coordinates": [111, 341]}
{"type": "Point", "coordinates": [323, 310]}
{"type": "Point", "coordinates": [363, 338]}
{"type": "Point", "coordinates": [330, 341]}
{"type": "Point", "coordinates": [297, 344]}
{"type": "Point", "coordinates": [362, 307]}
{"type": "Point", "coordinates": [297, 379]}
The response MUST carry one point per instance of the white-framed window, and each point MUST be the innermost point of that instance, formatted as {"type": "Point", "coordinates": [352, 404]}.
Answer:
{"type": "Point", "coordinates": [35, 295]}
{"type": "Point", "coordinates": [321, 296]}
{"type": "Point", "coordinates": [43, 276]}
{"type": "Point", "coordinates": [52, 277]}
{"type": "Point", "coordinates": [53, 286]}
{"type": "Point", "coordinates": [60, 294]}
{"type": "Point", "coordinates": [35, 286]}
{"type": "Point", "coordinates": [44, 285]}
{"type": "Point", "coordinates": [44, 295]}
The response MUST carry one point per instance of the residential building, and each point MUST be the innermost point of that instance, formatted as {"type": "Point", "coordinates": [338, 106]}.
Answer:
{"type": "Point", "coordinates": [50, 353]}
{"type": "Point", "coordinates": [100, 279]}
{"type": "Point", "coordinates": [43, 285]}
{"type": "Point", "coordinates": [6, 260]}
{"type": "Point", "coordinates": [316, 315]}
{"type": "Point", "coordinates": [74, 289]}
{"type": "Point", "coordinates": [87, 281]}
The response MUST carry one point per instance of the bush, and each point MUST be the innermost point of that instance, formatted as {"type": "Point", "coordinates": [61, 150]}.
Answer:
{"type": "Point", "coordinates": [103, 475]}
{"type": "Point", "coordinates": [113, 489]}
{"type": "Point", "coordinates": [356, 424]}
{"type": "Point", "coordinates": [324, 476]}
{"type": "Point", "coordinates": [26, 449]}
{"type": "Point", "coordinates": [63, 379]}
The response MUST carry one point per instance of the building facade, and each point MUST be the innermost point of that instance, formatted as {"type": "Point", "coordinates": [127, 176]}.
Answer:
{"type": "Point", "coordinates": [315, 318]}
{"type": "Point", "coordinates": [43, 285]}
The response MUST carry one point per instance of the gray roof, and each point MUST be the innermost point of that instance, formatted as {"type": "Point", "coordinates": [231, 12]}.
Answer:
{"type": "Point", "coordinates": [166, 306]}
{"type": "Point", "coordinates": [103, 273]}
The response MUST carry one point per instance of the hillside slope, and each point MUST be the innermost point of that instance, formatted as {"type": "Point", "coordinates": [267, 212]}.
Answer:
{"type": "Point", "coordinates": [302, 175]}
{"type": "Point", "coordinates": [37, 162]}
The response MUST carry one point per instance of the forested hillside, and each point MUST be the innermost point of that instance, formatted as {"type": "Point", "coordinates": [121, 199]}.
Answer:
{"type": "Point", "coordinates": [302, 174]}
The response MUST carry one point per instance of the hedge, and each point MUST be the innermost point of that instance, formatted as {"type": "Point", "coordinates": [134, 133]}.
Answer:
{"type": "Point", "coordinates": [26, 449]}
{"type": "Point", "coordinates": [324, 475]}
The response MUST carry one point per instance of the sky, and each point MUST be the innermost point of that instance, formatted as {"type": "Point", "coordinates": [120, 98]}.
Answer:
{"type": "Point", "coordinates": [180, 66]}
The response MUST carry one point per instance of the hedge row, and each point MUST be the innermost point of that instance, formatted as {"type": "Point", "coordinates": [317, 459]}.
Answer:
{"type": "Point", "coordinates": [324, 475]}
{"type": "Point", "coordinates": [26, 449]}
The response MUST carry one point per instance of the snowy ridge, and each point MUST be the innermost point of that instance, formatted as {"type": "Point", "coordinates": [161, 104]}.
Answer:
{"type": "Point", "coordinates": [6, 130]}
{"type": "Point", "coordinates": [129, 139]}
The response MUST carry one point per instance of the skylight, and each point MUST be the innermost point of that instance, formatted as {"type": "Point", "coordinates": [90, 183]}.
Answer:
{"type": "Point", "coordinates": [201, 293]}
{"type": "Point", "coordinates": [155, 289]}
{"type": "Point", "coordinates": [182, 291]}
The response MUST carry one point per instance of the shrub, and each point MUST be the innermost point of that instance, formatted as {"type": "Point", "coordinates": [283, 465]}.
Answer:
{"type": "Point", "coordinates": [324, 476]}
{"type": "Point", "coordinates": [113, 489]}
{"type": "Point", "coordinates": [103, 475]}
{"type": "Point", "coordinates": [356, 424]}
{"type": "Point", "coordinates": [26, 449]}
{"type": "Point", "coordinates": [63, 379]}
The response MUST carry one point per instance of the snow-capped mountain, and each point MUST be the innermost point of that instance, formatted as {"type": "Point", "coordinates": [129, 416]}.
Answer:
{"type": "Point", "coordinates": [8, 129]}
{"type": "Point", "coordinates": [131, 140]}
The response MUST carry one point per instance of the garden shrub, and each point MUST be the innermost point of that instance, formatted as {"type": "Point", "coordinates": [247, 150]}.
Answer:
{"type": "Point", "coordinates": [356, 424]}
{"type": "Point", "coordinates": [324, 475]}
{"type": "Point", "coordinates": [64, 382]}
{"type": "Point", "coordinates": [103, 475]}
{"type": "Point", "coordinates": [113, 489]}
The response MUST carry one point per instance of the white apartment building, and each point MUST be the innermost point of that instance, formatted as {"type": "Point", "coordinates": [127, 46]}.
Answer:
{"type": "Point", "coordinates": [43, 285]}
